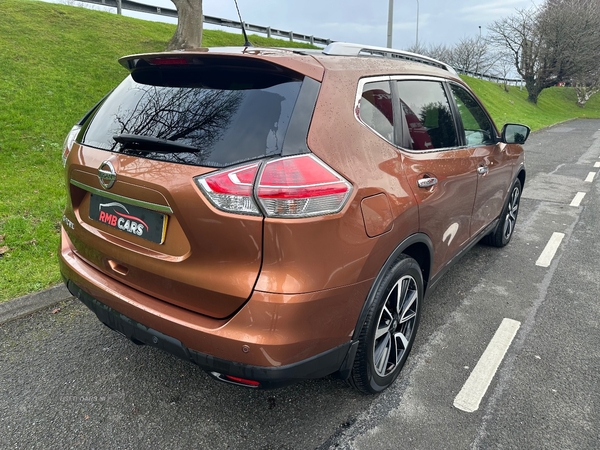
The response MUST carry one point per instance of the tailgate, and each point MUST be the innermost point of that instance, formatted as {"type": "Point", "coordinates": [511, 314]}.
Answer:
{"type": "Point", "coordinates": [154, 231]}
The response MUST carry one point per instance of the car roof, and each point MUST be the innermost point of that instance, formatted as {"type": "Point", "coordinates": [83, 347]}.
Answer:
{"type": "Point", "coordinates": [353, 59]}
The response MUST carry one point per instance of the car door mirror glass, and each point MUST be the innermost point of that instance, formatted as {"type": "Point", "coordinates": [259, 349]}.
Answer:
{"type": "Point", "coordinates": [513, 133]}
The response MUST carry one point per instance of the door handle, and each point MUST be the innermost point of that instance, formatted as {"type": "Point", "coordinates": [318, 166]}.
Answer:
{"type": "Point", "coordinates": [427, 182]}
{"type": "Point", "coordinates": [483, 170]}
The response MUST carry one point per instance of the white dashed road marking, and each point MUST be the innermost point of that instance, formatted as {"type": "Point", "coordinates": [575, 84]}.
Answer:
{"type": "Point", "coordinates": [551, 247]}
{"type": "Point", "coordinates": [469, 397]}
{"type": "Point", "coordinates": [597, 164]}
{"type": "Point", "coordinates": [578, 198]}
{"type": "Point", "coordinates": [590, 177]}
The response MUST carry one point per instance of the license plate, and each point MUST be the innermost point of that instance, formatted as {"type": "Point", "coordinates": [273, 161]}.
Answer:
{"type": "Point", "coordinates": [141, 222]}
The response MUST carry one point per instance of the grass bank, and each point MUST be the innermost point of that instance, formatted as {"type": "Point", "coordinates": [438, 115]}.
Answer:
{"type": "Point", "coordinates": [555, 104]}
{"type": "Point", "coordinates": [57, 62]}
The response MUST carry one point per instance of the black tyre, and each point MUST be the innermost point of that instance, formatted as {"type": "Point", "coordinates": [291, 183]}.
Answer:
{"type": "Point", "coordinates": [508, 219]}
{"type": "Point", "coordinates": [389, 330]}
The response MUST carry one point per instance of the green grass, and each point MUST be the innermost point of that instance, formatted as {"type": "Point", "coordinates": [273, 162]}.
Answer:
{"type": "Point", "coordinates": [57, 61]}
{"type": "Point", "coordinates": [555, 105]}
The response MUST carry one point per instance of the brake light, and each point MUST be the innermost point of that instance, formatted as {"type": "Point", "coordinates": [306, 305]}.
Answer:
{"type": "Point", "coordinates": [69, 140]}
{"type": "Point", "coordinates": [168, 61]}
{"type": "Point", "coordinates": [301, 186]}
{"type": "Point", "coordinates": [294, 187]}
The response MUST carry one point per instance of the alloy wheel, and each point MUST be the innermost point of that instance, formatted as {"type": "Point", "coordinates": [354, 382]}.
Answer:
{"type": "Point", "coordinates": [511, 213]}
{"type": "Point", "coordinates": [395, 326]}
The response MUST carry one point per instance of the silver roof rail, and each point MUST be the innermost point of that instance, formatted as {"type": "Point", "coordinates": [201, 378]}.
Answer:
{"type": "Point", "coordinates": [348, 49]}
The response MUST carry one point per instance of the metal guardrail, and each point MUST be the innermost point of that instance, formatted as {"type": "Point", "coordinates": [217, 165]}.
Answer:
{"type": "Point", "coordinates": [270, 32]}
{"type": "Point", "coordinates": [168, 12]}
{"type": "Point", "coordinates": [495, 79]}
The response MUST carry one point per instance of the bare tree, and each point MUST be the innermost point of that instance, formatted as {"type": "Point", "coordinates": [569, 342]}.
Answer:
{"type": "Point", "coordinates": [469, 55]}
{"type": "Point", "coordinates": [189, 25]}
{"type": "Point", "coordinates": [472, 54]}
{"type": "Point", "coordinates": [550, 44]}
{"type": "Point", "coordinates": [519, 35]}
{"type": "Point", "coordinates": [503, 67]}
{"type": "Point", "coordinates": [585, 87]}
{"type": "Point", "coordinates": [441, 52]}
{"type": "Point", "coordinates": [585, 58]}
{"type": "Point", "coordinates": [419, 49]}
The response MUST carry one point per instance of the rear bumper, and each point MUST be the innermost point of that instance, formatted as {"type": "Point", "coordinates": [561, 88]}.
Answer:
{"type": "Point", "coordinates": [268, 377]}
{"type": "Point", "coordinates": [274, 339]}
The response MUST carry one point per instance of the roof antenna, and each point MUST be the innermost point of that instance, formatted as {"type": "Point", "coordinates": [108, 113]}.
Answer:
{"type": "Point", "coordinates": [247, 43]}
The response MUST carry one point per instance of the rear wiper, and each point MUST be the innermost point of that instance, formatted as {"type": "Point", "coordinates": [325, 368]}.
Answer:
{"type": "Point", "coordinates": [152, 144]}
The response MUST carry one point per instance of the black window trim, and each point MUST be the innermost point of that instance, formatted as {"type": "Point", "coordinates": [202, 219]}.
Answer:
{"type": "Point", "coordinates": [296, 136]}
{"type": "Point", "coordinates": [401, 130]}
{"type": "Point", "coordinates": [458, 123]}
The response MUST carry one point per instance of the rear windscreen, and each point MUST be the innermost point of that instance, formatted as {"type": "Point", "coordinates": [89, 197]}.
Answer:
{"type": "Point", "coordinates": [217, 118]}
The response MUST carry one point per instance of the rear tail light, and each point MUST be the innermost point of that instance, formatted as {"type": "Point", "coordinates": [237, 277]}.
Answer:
{"type": "Point", "coordinates": [69, 140]}
{"type": "Point", "coordinates": [231, 190]}
{"type": "Point", "coordinates": [301, 186]}
{"type": "Point", "coordinates": [294, 187]}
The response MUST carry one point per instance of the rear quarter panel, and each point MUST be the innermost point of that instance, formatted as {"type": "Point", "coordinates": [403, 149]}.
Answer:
{"type": "Point", "coordinates": [332, 251]}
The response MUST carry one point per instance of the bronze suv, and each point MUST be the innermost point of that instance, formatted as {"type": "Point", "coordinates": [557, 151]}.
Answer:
{"type": "Point", "coordinates": [274, 215]}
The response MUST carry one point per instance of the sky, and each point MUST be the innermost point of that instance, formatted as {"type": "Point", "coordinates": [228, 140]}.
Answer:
{"type": "Point", "coordinates": [364, 21]}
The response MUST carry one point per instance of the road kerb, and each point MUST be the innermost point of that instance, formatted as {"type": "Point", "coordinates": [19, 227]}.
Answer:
{"type": "Point", "coordinates": [28, 304]}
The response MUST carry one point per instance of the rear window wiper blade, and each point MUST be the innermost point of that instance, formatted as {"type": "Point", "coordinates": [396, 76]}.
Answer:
{"type": "Point", "coordinates": [152, 144]}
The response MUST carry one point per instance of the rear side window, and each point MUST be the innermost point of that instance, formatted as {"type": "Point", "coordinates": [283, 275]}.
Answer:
{"type": "Point", "coordinates": [216, 119]}
{"type": "Point", "coordinates": [376, 110]}
{"type": "Point", "coordinates": [427, 112]}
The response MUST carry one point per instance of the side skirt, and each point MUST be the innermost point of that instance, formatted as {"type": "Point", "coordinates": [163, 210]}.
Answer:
{"type": "Point", "coordinates": [484, 232]}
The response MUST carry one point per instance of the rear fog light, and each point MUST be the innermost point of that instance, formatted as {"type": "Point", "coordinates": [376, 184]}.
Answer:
{"type": "Point", "coordinates": [235, 380]}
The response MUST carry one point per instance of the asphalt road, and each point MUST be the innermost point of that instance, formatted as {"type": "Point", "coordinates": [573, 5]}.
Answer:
{"type": "Point", "coordinates": [66, 381]}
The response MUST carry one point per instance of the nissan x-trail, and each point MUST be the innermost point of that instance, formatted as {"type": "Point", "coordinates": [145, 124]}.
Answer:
{"type": "Point", "coordinates": [275, 215]}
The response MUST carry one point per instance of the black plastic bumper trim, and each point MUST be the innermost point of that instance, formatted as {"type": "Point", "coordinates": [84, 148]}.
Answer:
{"type": "Point", "coordinates": [316, 366]}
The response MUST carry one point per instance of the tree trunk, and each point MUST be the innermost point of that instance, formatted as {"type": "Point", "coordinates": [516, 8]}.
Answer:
{"type": "Point", "coordinates": [533, 89]}
{"type": "Point", "coordinates": [188, 34]}
{"type": "Point", "coordinates": [584, 93]}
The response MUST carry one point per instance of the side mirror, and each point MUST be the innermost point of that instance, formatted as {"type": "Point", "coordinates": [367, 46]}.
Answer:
{"type": "Point", "coordinates": [513, 133]}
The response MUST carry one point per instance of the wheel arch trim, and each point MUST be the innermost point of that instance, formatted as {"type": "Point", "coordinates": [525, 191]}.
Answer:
{"type": "Point", "coordinates": [415, 239]}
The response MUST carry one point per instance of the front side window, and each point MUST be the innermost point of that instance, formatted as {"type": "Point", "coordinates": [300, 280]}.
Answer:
{"type": "Point", "coordinates": [375, 109]}
{"type": "Point", "coordinates": [478, 127]}
{"type": "Point", "coordinates": [427, 113]}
